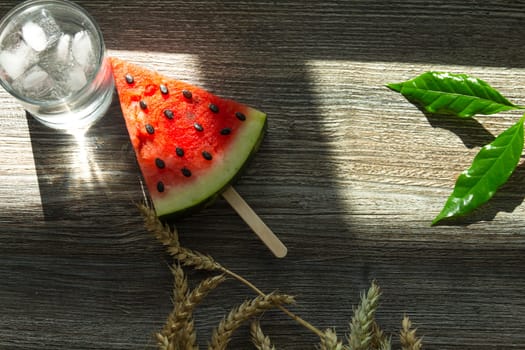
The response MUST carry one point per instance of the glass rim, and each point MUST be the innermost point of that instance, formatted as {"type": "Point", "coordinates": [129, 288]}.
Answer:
{"type": "Point", "coordinates": [20, 8]}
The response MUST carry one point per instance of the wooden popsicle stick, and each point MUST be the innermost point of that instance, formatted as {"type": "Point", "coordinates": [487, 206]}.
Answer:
{"type": "Point", "coordinates": [255, 222]}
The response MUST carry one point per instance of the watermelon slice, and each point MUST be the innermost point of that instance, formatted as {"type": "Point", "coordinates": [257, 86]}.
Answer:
{"type": "Point", "coordinates": [190, 144]}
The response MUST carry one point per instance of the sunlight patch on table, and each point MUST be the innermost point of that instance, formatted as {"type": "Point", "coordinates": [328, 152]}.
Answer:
{"type": "Point", "coordinates": [87, 171]}
{"type": "Point", "coordinates": [185, 67]}
{"type": "Point", "coordinates": [386, 154]}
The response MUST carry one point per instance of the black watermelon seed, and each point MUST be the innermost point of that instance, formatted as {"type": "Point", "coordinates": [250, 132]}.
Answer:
{"type": "Point", "coordinates": [179, 151]}
{"type": "Point", "coordinates": [168, 113]}
{"type": "Point", "coordinates": [207, 155]}
{"type": "Point", "coordinates": [163, 89]}
{"type": "Point", "coordinates": [226, 131]}
{"type": "Point", "coordinates": [160, 186]}
{"type": "Point", "coordinates": [143, 104]}
{"type": "Point", "coordinates": [187, 93]}
{"type": "Point", "coordinates": [240, 116]}
{"type": "Point", "coordinates": [159, 163]}
{"type": "Point", "coordinates": [186, 172]}
{"type": "Point", "coordinates": [129, 78]}
{"type": "Point", "coordinates": [214, 108]}
{"type": "Point", "coordinates": [150, 129]}
{"type": "Point", "coordinates": [198, 127]}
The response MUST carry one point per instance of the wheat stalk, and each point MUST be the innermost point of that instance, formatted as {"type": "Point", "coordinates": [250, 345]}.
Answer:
{"type": "Point", "coordinates": [222, 334]}
{"type": "Point", "coordinates": [259, 339]}
{"type": "Point", "coordinates": [362, 324]}
{"type": "Point", "coordinates": [408, 338]}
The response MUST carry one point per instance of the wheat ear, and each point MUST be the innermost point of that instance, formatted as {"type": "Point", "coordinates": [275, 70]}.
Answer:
{"type": "Point", "coordinates": [195, 259]}
{"type": "Point", "coordinates": [180, 284]}
{"type": "Point", "coordinates": [166, 235]}
{"type": "Point", "coordinates": [330, 341]}
{"type": "Point", "coordinates": [163, 342]}
{"type": "Point", "coordinates": [183, 310]}
{"type": "Point", "coordinates": [169, 237]}
{"type": "Point", "coordinates": [184, 336]}
{"type": "Point", "coordinates": [408, 338]}
{"type": "Point", "coordinates": [180, 328]}
{"type": "Point", "coordinates": [379, 339]}
{"type": "Point", "coordinates": [222, 334]}
{"type": "Point", "coordinates": [259, 339]}
{"type": "Point", "coordinates": [180, 289]}
{"type": "Point", "coordinates": [362, 324]}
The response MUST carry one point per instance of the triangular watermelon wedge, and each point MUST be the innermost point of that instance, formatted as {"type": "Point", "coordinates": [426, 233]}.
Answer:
{"type": "Point", "coordinates": [190, 144]}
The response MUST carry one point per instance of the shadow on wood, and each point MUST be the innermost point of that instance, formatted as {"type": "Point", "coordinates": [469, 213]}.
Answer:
{"type": "Point", "coordinates": [76, 172]}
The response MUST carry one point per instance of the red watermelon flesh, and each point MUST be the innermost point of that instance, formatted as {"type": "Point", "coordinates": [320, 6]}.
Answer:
{"type": "Point", "coordinates": [190, 144]}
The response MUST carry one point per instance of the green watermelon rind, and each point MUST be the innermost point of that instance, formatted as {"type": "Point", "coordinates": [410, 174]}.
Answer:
{"type": "Point", "coordinates": [197, 195]}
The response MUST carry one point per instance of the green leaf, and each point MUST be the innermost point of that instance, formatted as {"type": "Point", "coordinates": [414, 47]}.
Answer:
{"type": "Point", "coordinates": [490, 169]}
{"type": "Point", "coordinates": [456, 94]}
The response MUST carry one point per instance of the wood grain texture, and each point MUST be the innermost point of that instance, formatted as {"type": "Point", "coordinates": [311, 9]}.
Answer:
{"type": "Point", "coordinates": [349, 176]}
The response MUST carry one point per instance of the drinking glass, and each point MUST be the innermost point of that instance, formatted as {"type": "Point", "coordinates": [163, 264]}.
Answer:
{"type": "Point", "coordinates": [52, 60]}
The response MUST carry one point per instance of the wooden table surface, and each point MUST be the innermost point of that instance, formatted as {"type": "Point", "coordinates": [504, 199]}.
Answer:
{"type": "Point", "coordinates": [349, 176]}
